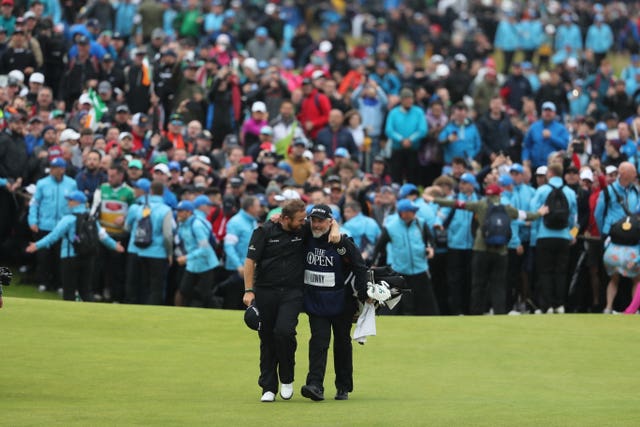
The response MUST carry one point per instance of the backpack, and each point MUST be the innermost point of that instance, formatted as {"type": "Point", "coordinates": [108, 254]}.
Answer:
{"type": "Point", "coordinates": [558, 216]}
{"type": "Point", "coordinates": [626, 231]}
{"type": "Point", "coordinates": [143, 237]}
{"type": "Point", "coordinates": [213, 242]}
{"type": "Point", "coordinates": [496, 228]}
{"type": "Point", "coordinates": [86, 239]}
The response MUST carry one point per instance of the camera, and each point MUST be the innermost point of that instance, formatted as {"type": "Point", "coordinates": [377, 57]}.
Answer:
{"type": "Point", "coordinates": [578, 147]}
{"type": "Point", "coordinates": [5, 276]}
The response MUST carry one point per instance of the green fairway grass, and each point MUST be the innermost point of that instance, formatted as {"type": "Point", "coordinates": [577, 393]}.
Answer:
{"type": "Point", "coordinates": [73, 364]}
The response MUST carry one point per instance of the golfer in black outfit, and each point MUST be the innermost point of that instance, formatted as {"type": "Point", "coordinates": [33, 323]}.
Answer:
{"type": "Point", "coordinates": [328, 300]}
{"type": "Point", "coordinates": [273, 274]}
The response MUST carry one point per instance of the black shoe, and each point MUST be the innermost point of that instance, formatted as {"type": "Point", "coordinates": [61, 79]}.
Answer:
{"type": "Point", "coordinates": [342, 395]}
{"type": "Point", "coordinates": [312, 392]}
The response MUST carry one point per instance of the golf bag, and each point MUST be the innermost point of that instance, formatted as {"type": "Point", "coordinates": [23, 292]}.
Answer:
{"type": "Point", "coordinates": [385, 286]}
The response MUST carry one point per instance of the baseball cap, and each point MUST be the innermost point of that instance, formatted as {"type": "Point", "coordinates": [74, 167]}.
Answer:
{"type": "Point", "coordinates": [548, 105]}
{"type": "Point", "coordinates": [253, 167]}
{"type": "Point", "coordinates": [140, 119]}
{"type": "Point", "coordinates": [610, 169]}
{"type": "Point", "coordinates": [406, 190]}
{"type": "Point", "coordinates": [122, 109]}
{"type": "Point", "coordinates": [157, 33]}
{"type": "Point", "coordinates": [542, 170]}
{"type": "Point", "coordinates": [236, 181]}
{"type": "Point", "coordinates": [321, 212]}
{"type": "Point", "coordinates": [176, 119]}
{"type": "Point", "coordinates": [341, 152]}
{"type": "Point", "coordinates": [104, 87]}
{"type": "Point", "coordinates": [266, 130]}
{"type": "Point", "coordinates": [124, 135]}
{"type": "Point", "coordinates": [493, 190]}
{"type": "Point", "coordinates": [406, 93]}
{"type": "Point", "coordinates": [135, 163]}
{"type": "Point", "coordinates": [84, 99]}
{"type": "Point", "coordinates": [301, 141]}
{"type": "Point", "coordinates": [82, 39]}
{"type": "Point", "coordinates": [143, 184]}
{"type": "Point", "coordinates": [333, 178]}
{"type": "Point", "coordinates": [76, 196]}
{"type": "Point", "coordinates": [468, 178]}
{"type": "Point", "coordinates": [516, 167]}
{"type": "Point", "coordinates": [262, 32]}
{"type": "Point", "coordinates": [185, 205]}
{"type": "Point", "coordinates": [37, 78]}
{"type": "Point", "coordinates": [317, 74]}
{"type": "Point", "coordinates": [252, 318]}
{"type": "Point", "coordinates": [201, 200]}
{"type": "Point", "coordinates": [505, 180]}
{"type": "Point", "coordinates": [69, 135]}
{"type": "Point", "coordinates": [7, 2]}
{"type": "Point", "coordinates": [287, 194]}
{"type": "Point", "coordinates": [58, 162]}
{"type": "Point", "coordinates": [174, 166]}
{"type": "Point", "coordinates": [161, 167]}
{"type": "Point", "coordinates": [406, 205]}
{"type": "Point", "coordinates": [586, 174]}
{"type": "Point", "coordinates": [285, 166]}
{"type": "Point", "coordinates": [259, 106]}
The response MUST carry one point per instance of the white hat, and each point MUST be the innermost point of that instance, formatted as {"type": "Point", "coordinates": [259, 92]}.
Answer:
{"type": "Point", "coordinates": [223, 39]}
{"type": "Point", "coordinates": [251, 63]}
{"type": "Point", "coordinates": [270, 8]}
{"type": "Point", "coordinates": [586, 174]}
{"type": "Point", "coordinates": [258, 106]}
{"type": "Point", "coordinates": [542, 170]}
{"type": "Point", "coordinates": [17, 75]}
{"type": "Point", "coordinates": [69, 135]}
{"type": "Point", "coordinates": [325, 46]}
{"type": "Point", "coordinates": [442, 70]}
{"type": "Point", "coordinates": [307, 154]}
{"type": "Point", "coordinates": [204, 159]}
{"type": "Point", "coordinates": [124, 135]}
{"type": "Point", "coordinates": [287, 194]}
{"type": "Point", "coordinates": [572, 62]}
{"type": "Point", "coordinates": [437, 59]}
{"type": "Point", "coordinates": [84, 99]}
{"type": "Point", "coordinates": [317, 74]}
{"type": "Point", "coordinates": [162, 168]}
{"type": "Point", "coordinates": [610, 169]}
{"type": "Point", "coordinates": [36, 78]}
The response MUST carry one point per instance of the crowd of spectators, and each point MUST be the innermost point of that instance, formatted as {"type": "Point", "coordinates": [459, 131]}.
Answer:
{"type": "Point", "coordinates": [240, 105]}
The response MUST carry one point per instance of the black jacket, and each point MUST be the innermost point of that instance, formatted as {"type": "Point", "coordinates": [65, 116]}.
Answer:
{"type": "Point", "coordinates": [13, 155]}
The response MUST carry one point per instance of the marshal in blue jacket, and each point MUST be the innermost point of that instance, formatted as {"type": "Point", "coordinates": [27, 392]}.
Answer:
{"type": "Point", "coordinates": [48, 204]}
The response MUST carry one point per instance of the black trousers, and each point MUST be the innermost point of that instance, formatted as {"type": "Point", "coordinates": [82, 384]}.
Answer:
{"type": "Point", "coordinates": [552, 262]}
{"type": "Point", "coordinates": [133, 293]}
{"type": "Point", "coordinates": [48, 264]}
{"type": "Point", "coordinates": [321, 328]}
{"type": "Point", "coordinates": [508, 59]}
{"type": "Point", "coordinates": [279, 309]}
{"type": "Point", "coordinates": [233, 290]}
{"type": "Point", "coordinates": [421, 301]}
{"type": "Point", "coordinates": [459, 280]}
{"type": "Point", "coordinates": [438, 271]}
{"type": "Point", "coordinates": [113, 266]}
{"type": "Point", "coordinates": [404, 165]}
{"type": "Point", "coordinates": [489, 283]}
{"type": "Point", "coordinates": [146, 280]}
{"type": "Point", "coordinates": [77, 275]}
{"type": "Point", "coordinates": [196, 288]}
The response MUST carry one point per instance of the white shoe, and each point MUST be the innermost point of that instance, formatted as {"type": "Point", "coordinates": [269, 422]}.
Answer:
{"type": "Point", "coordinates": [607, 311]}
{"type": "Point", "coordinates": [514, 313]}
{"type": "Point", "coordinates": [559, 310]}
{"type": "Point", "coordinates": [550, 310]}
{"type": "Point", "coordinates": [268, 396]}
{"type": "Point", "coordinates": [42, 288]}
{"type": "Point", "coordinates": [286, 391]}
{"type": "Point", "coordinates": [538, 311]}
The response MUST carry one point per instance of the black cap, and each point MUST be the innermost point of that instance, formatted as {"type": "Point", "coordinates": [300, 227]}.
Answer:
{"type": "Point", "coordinates": [252, 318]}
{"type": "Point", "coordinates": [236, 181]}
{"type": "Point", "coordinates": [333, 178]}
{"type": "Point", "coordinates": [122, 109]}
{"type": "Point", "coordinates": [107, 57]}
{"type": "Point", "coordinates": [117, 36]}
{"type": "Point", "coordinates": [378, 159]}
{"type": "Point", "coordinates": [306, 81]}
{"type": "Point", "coordinates": [321, 212]}
{"type": "Point", "coordinates": [82, 39]}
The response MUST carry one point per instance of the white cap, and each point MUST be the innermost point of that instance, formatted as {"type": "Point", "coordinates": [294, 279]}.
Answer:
{"type": "Point", "coordinates": [69, 135]}
{"type": "Point", "coordinates": [204, 159]}
{"type": "Point", "coordinates": [586, 174]}
{"type": "Point", "coordinates": [442, 70]}
{"type": "Point", "coordinates": [36, 78]}
{"type": "Point", "coordinates": [287, 194]}
{"type": "Point", "coordinates": [84, 99]}
{"type": "Point", "coordinates": [572, 62]}
{"type": "Point", "coordinates": [270, 8]}
{"type": "Point", "coordinates": [259, 106]}
{"type": "Point", "coordinates": [223, 39]}
{"type": "Point", "coordinates": [610, 169]}
{"type": "Point", "coordinates": [437, 59]}
{"type": "Point", "coordinates": [17, 75]}
{"type": "Point", "coordinates": [124, 135]}
{"type": "Point", "coordinates": [317, 74]}
{"type": "Point", "coordinates": [307, 154]}
{"type": "Point", "coordinates": [325, 46]}
{"type": "Point", "coordinates": [162, 168]}
{"type": "Point", "coordinates": [542, 170]}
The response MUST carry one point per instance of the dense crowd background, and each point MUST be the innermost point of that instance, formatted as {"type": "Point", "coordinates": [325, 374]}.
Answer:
{"type": "Point", "coordinates": [358, 105]}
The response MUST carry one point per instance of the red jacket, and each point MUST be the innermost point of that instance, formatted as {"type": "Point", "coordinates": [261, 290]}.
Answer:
{"type": "Point", "coordinates": [315, 109]}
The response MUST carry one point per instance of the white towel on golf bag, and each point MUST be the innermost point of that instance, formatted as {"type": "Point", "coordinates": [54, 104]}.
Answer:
{"type": "Point", "coordinates": [366, 324]}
